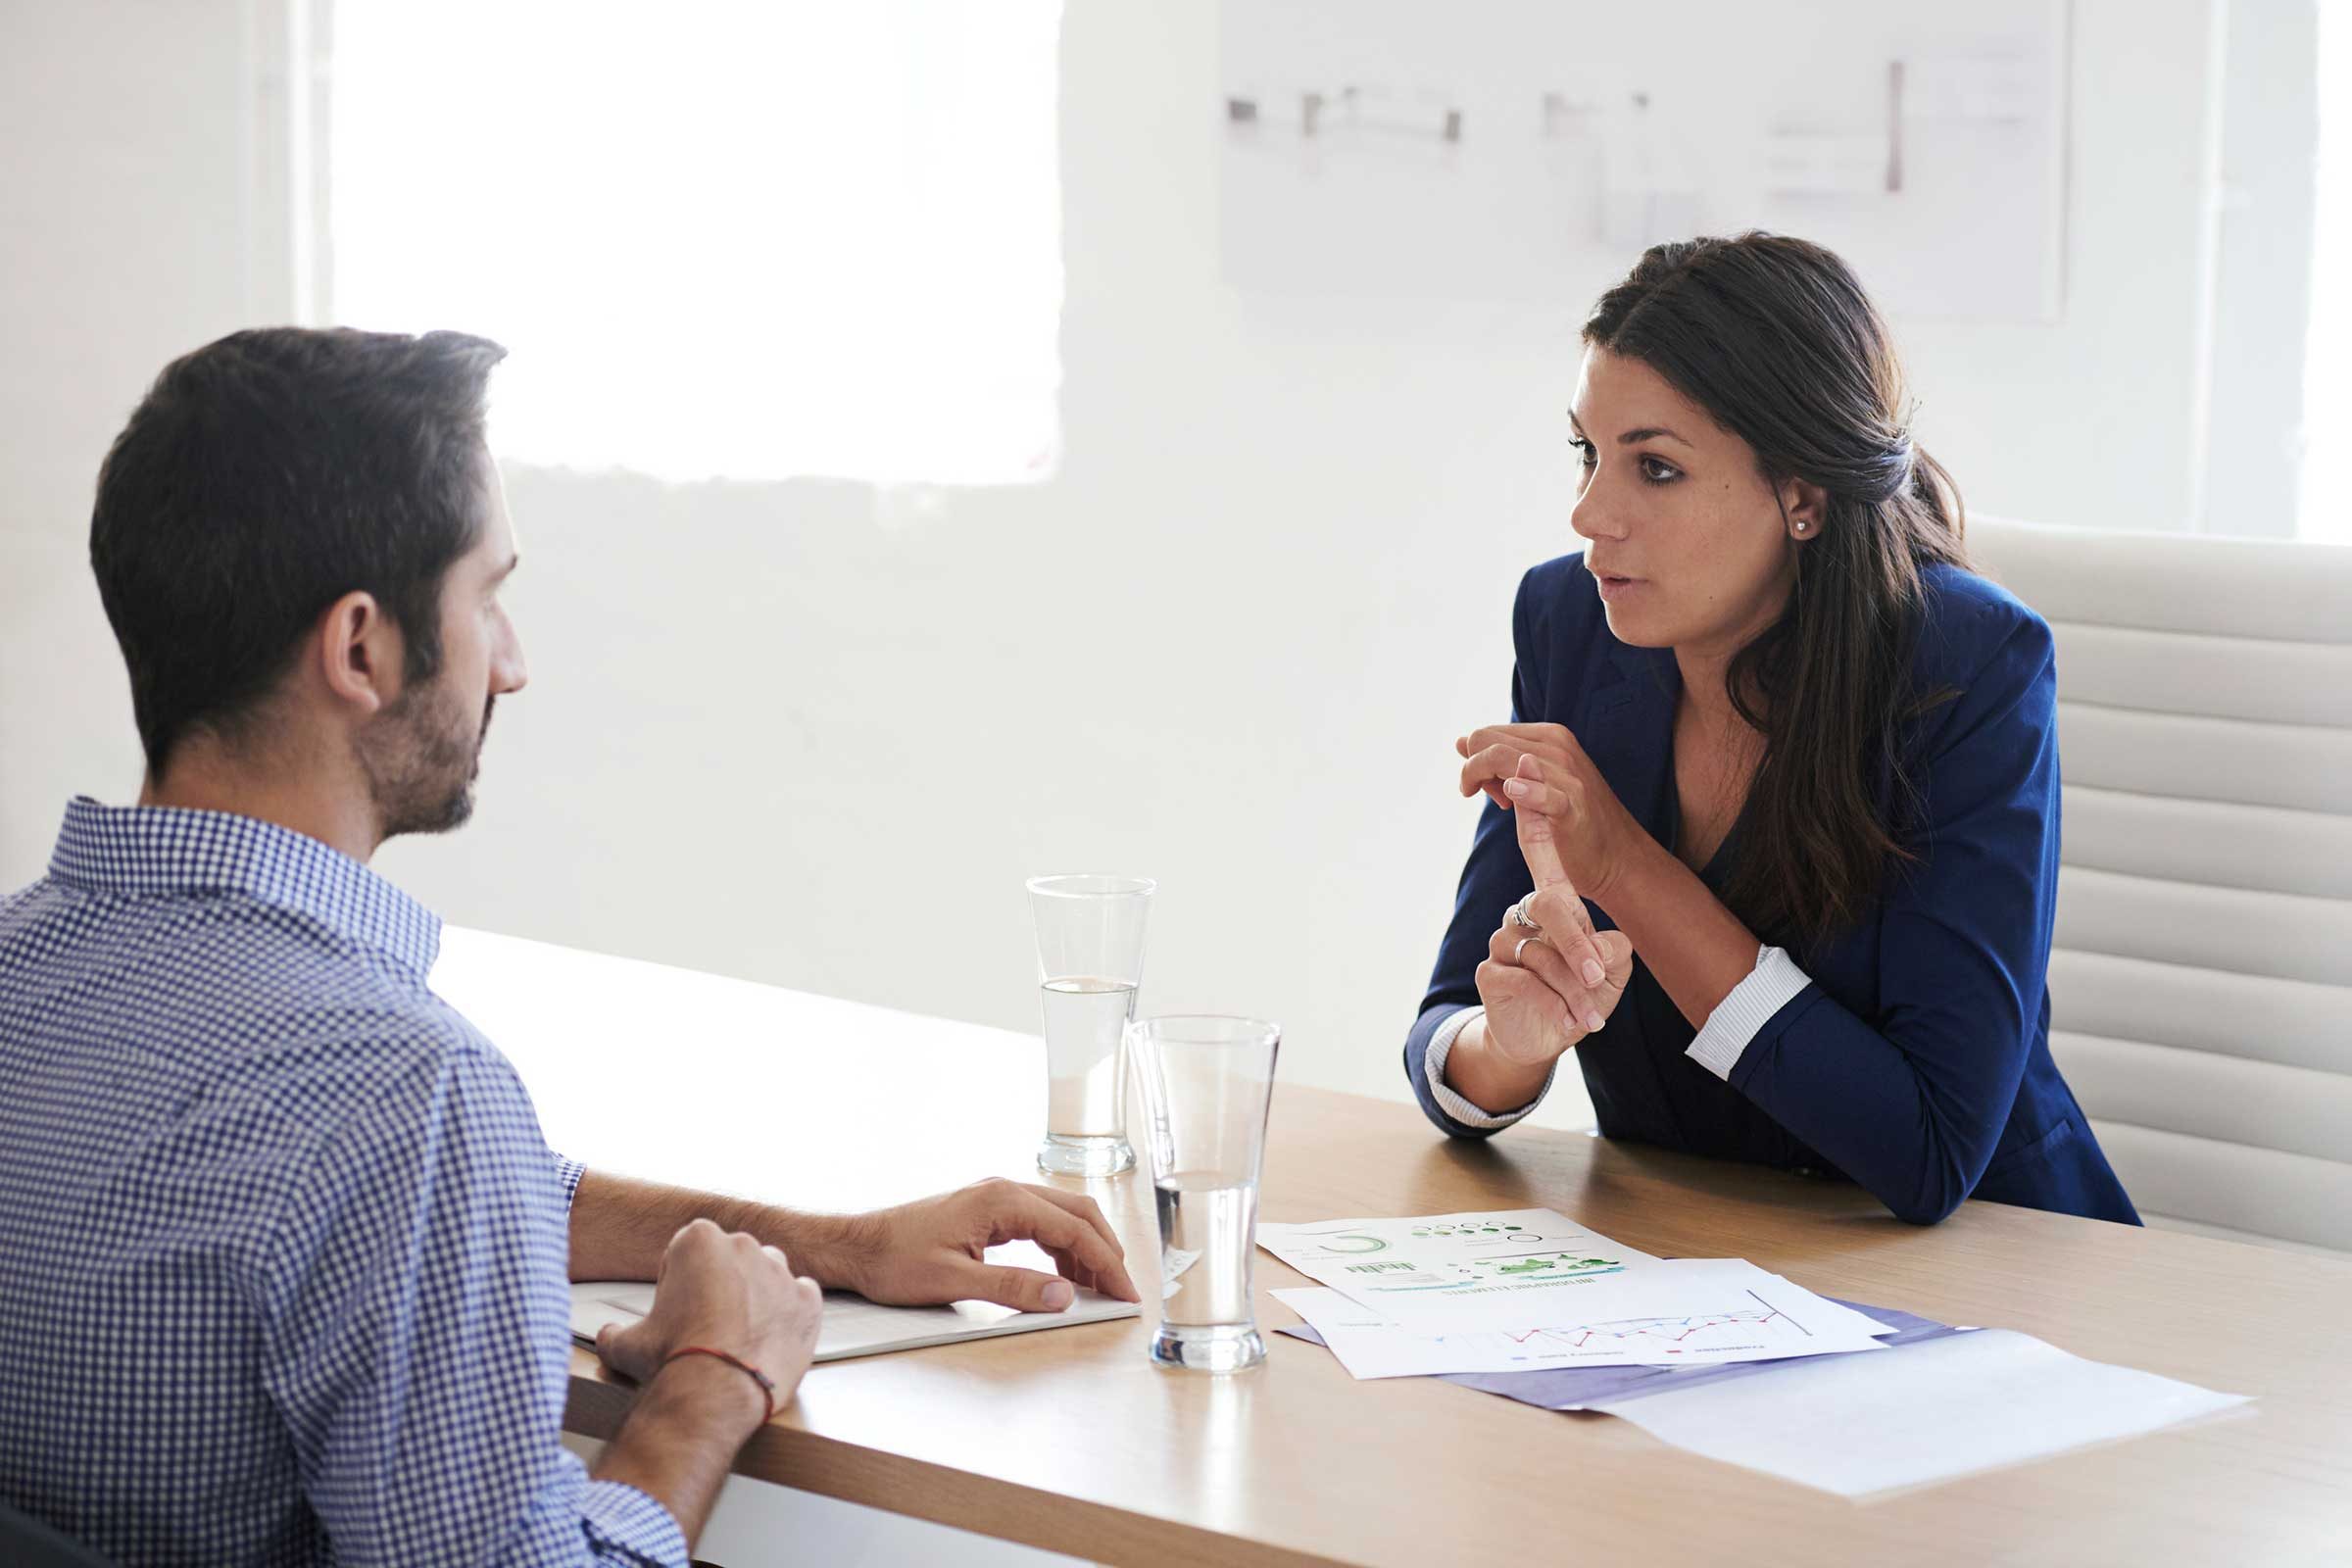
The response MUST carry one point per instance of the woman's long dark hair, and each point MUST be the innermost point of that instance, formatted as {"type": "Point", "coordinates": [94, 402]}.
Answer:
{"type": "Point", "coordinates": [1776, 340]}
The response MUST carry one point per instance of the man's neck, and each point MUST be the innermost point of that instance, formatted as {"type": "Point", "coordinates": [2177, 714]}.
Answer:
{"type": "Point", "coordinates": [340, 820]}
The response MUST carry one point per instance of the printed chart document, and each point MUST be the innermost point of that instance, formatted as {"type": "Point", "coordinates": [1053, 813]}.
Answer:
{"type": "Point", "coordinates": [1531, 1288]}
{"type": "Point", "coordinates": [1582, 1387]}
{"type": "Point", "coordinates": [1446, 1269]}
{"type": "Point", "coordinates": [1932, 1411]}
{"type": "Point", "coordinates": [1681, 1312]}
{"type": "Point", "coordinates": [856, 1326]}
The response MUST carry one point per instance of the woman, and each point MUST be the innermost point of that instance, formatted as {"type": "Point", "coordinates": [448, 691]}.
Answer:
{"type": "Point", "coordinates": [1773, 841]}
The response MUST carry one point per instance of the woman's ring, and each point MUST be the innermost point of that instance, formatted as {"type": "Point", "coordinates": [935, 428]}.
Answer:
{"type": "Point", "coordinates": [1522, 919]}
{"type": "Point", "coordinates": [1520, 946]}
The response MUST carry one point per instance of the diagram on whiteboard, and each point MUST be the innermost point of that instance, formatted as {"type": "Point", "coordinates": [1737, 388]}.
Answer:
{"type": "Point", "coordinates": [1531, 149]}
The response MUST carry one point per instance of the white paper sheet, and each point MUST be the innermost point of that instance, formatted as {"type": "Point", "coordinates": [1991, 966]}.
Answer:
{"type": "Point", "coordinates": [854, 1326]}
{"type": "Point", "coordinates": [1934, 1411]}
{"type": "Point", "coordinates": [1691, 1312]}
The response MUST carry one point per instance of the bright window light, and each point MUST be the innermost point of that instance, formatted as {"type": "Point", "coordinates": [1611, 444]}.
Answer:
{"type": "Point", "coordinates": [722, 239]}
{"type": "Point", "coordinates": [2327, 506]}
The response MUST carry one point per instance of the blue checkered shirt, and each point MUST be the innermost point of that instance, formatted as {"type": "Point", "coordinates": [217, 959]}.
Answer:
{"type": "Point", "coordinates": [282, 1250]}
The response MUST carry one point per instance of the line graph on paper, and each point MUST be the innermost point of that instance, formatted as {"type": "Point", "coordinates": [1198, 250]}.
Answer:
{"type": "Point", "coordinates": [1697, 1337]}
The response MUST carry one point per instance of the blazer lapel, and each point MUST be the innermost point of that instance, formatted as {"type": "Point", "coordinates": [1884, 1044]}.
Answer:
{"type": "Point", "coordinates": [1629, 731]}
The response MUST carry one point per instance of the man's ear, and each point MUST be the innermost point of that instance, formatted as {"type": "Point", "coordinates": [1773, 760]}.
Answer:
{"type": "Point", "coordinates": [358, 654]}
{"type": "Point", "coordinates": [1804, 504]}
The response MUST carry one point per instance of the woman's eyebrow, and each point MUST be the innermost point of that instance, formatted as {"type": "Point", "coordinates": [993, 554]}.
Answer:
{"type": "Point", "coordinates": [1631, 436]}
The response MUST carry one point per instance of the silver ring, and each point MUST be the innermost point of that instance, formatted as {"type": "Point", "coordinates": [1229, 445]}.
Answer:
{"type": "Point", "coordinates": [1521, 918]}
{"type": "Point", "coordinates": [1521, 947]}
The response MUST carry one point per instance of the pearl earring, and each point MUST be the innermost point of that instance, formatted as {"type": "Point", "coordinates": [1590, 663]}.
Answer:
{"type": "Point", "coordinates": [1800, 528]}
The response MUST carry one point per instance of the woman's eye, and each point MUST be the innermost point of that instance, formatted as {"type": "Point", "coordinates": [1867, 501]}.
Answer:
{"type": "Point", "coordinates": [1658, 471]}
{"type": "Point", "coordinates": [1584, 453]}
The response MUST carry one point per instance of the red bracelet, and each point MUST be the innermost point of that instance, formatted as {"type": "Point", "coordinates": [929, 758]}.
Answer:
{"type": "Point", "coordinates": [767, 1385]}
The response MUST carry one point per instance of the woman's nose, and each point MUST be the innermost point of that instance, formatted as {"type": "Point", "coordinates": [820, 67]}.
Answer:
{"type": "Point", "coordinates": [1594, 517]}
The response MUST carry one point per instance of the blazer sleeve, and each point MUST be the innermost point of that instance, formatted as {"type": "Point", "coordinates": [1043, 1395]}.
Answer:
{"type": "Point", "coordinates": [1493, 879]}
{"type": "Point", "coordinates": [1911, 1102]}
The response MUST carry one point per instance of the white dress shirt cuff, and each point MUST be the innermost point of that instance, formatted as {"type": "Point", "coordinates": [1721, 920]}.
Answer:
{"type": "Point", "coordinates": [1441, 1046]}
{"type": "Point", "coordinates": [1769, 986]}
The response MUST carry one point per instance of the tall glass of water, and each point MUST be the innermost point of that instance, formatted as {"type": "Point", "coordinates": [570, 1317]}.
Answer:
{"type": "Point", "coordinates": [1090, 960]}
{"type": "Point", "coordinates": [1207, 1083]}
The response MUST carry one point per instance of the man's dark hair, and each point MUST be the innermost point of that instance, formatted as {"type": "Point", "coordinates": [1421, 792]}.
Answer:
{"type": "Point", "coordinates": [263, 477]}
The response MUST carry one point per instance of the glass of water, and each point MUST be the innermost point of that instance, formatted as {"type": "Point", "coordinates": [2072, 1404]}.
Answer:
{"type": "Point", "coordinates": [1207, 1083]}
{"type": "Point", "coordinates": [1090, 960]}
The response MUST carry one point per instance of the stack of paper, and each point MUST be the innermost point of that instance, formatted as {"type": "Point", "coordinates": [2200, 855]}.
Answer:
{"type": "Point", "coordinates": [1530, 1290]}
{"type": "Point", "coordinates": [1533, 1306]}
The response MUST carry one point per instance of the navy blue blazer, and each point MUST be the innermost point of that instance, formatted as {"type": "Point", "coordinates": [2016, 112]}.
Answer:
{"type": "Point", "coordinates": [1917, 1062]}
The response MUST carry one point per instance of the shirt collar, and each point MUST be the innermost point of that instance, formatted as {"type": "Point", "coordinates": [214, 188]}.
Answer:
{"type": "Point", "coordinates": [155, 849]}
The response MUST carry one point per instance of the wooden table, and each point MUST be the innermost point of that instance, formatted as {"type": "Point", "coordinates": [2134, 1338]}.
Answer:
{"type": "Point", "coordinates": [1072, 1441]}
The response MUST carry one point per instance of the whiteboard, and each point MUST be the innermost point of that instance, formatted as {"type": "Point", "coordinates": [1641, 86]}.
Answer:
{"type": "Point", "coordinates": [1521, 150]}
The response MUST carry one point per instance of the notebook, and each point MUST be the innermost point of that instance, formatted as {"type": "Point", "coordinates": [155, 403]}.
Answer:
{"type": "Point", "coordinates": [856, 1326]}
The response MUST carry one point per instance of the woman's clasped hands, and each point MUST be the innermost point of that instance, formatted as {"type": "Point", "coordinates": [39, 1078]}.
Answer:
{"type": "Point", "coordinates": [1550, 978]}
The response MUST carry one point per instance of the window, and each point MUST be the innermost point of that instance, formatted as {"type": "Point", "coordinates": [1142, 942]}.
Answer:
{"type": "Point", "coordinates": [750, 240]}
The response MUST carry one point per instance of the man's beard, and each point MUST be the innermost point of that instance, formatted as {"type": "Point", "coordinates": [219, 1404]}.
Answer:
{"type": "Point", "coordinates": [420, 758]}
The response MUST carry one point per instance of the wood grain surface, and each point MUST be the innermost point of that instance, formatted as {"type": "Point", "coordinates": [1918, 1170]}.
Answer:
{"type": "Point", "coordinates": [1070, 1440]}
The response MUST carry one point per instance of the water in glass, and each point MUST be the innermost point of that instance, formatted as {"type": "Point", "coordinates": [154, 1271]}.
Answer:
{"type": "Point", "coordinates": [1086, 1067]}
{"type": "Point", "coordinates": [1207, 1240]}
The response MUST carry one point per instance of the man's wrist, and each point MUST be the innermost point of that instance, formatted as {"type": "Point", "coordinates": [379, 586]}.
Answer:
{"type": "Point", "coordinates": [703, 1393]}
{"type": "Point", "coordinates": [833, 1249]}
{"type": "Point", "coordinates": [682, 1435]}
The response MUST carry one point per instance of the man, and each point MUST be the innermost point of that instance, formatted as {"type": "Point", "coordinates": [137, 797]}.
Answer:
{"type": "Point", "coordinates": [283, 1252]}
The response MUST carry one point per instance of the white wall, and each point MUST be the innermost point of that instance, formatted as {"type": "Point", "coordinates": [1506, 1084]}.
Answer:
{"type": "Point", "coordinates": [122, 192]}
{"type": "Point", "coordinates": [809, 735]}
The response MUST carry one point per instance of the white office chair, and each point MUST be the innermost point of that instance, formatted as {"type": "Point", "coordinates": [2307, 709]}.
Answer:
{"type": "Point", "coordinates": [2201, 985]}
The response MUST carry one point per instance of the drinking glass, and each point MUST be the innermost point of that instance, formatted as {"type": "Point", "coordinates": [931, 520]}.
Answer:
{"type": "Point", "coordinates": [1090, 960]}
{"type": "Point", "coordinates": [1207, 1083]}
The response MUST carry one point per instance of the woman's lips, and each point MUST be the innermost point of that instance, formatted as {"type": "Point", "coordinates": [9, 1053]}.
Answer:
{"type": "Point", "coordinates": [1613, 586]}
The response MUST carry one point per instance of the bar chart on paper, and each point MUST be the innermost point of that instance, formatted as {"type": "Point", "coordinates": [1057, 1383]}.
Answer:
{"type": "Point", "coordinates": [1429, 1267]}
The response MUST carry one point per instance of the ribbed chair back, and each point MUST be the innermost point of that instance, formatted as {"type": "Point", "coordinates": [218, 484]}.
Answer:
{"type": "Point", "coordinates": [2201, 983]}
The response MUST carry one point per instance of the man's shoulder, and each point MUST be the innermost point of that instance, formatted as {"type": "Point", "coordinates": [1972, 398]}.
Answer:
{"type": "Point", "coordinates": [366, 1078]}
{"type": "Point", "coordinates": [361, 1024]}
{"type": "Point", "coordinates": [249, 994]}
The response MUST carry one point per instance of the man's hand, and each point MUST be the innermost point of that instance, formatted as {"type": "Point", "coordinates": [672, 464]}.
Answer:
{"type": "Point", "coordinates": [929, 1251]}
{"type": "Point", "coordinates": [723, 1290]}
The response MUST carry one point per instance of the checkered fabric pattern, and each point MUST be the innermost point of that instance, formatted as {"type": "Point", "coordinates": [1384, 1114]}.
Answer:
{"type": "Point", "coordinates": [282, 1250]}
